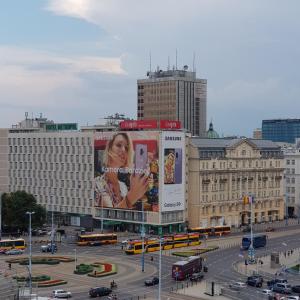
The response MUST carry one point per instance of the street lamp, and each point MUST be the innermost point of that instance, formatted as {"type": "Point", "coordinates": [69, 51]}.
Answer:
{"type": "Point", "coordinates": [159, 268]}
{"type": "Point", "coordinates": [143, 238]}
{"type": "Point", "coordinates": [52, 230]}
{"type": "Point", "coordinates": [30, 213]}
{"type": "Point", "coordinates": [75, 250]}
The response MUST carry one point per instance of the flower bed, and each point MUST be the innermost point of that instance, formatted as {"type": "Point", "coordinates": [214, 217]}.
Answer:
{"type": "Point", "coordinates": [49, 283]}
{"type": "Point", "coordinates": [195, 252]}
{"type": "Point", "coordinates": [103, 269]}
{"type": "Point", "coordinates": [83, 269]}
{"type": "Point", "coordinates": [33, 278]}
{"type": "Point", "coordinates": [50, 260]}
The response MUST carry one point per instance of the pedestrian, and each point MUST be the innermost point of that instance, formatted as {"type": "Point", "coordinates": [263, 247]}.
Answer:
{"type": "Point", "coordinates": [292, 252]}
{"type": "Point", "coordinates": [151, 258]}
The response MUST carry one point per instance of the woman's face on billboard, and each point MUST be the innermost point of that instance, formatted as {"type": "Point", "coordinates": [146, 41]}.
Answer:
{"type": "Point", "coordinates": [119, 150]}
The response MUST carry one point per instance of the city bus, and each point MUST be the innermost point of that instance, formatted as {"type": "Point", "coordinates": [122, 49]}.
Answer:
{"type": "Point", "coordinates": [185, 268]}
{"type": "Point", "coordinates": [259, 240]}
{"type": "Point", "coordinates": [9, 244]}
{"type": "Point", "coordinates": [168, 242]}
{"type": "Point", "coordinates": [96, 239]}
{"type": "Point", "coordinates": [211, 231]}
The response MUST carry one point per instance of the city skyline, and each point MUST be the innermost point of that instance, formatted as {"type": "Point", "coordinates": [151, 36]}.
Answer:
{"type": "Point", "coordinates": [65, 59]}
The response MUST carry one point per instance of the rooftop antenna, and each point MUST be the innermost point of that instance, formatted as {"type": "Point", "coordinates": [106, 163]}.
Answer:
{"type": "Point", "coordinates": [176, 59]}
{"type": "Point", "coordinates": [194, 58]}
{"type": "Point", "coordinates": [150, 61]}
{"type": "Point", "coordinates": [168, 62]}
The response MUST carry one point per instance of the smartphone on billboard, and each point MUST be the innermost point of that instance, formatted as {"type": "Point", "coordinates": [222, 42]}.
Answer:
{"type": "Point", "coordinates": [141, 157]}
{"type": "Point", "coordinates": [178, 165]}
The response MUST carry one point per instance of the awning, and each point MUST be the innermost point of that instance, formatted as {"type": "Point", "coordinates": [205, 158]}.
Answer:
{"type": "Point", "coordinates": [112, 222]}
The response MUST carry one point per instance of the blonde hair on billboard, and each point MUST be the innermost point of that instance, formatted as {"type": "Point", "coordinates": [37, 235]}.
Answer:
{"type": "Point", "coordinates": [109, 147]}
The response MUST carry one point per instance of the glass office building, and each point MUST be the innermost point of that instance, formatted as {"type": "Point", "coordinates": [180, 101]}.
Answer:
{"type": "Point", "coordinates": [281, 130]}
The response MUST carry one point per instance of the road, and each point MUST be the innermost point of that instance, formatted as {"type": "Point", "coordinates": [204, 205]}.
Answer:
{"type": "Point", "coordinates": [130, 278]}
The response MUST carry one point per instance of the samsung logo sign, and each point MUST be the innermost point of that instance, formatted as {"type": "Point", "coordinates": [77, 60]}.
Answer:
{"type": "Point", "coordinates": [173, 138]}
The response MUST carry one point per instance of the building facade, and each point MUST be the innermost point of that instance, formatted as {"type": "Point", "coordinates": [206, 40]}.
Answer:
{"type": "Point", "coordinates": [281, 130]}
{"type": "Point", "coordinates": [60, 167]}
{"type": "Point", "coordinates": [174, 95]}
{"type": "Point", "coordinates": [292, 180]}
{"type": "Point", "coordinates": [222, 171]}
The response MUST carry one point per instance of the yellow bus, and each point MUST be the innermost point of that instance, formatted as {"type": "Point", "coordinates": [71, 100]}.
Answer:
{"type": "Point", "coordinates": [96, 239]}
{"type": "Point", "coordinates": [211, 231]}
{"type": "Point", "coordinates": [169, 242]}
{"type": "Point", "coordinates": [9, 244]}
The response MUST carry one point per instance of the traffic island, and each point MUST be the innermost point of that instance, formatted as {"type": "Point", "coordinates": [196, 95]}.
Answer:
{"type": "Point", "coordinates": [48, 260]}
{"type": "Point", "coordinates": [195, 252]}
{"type": "Point", "coordinates": [41, 280]}
{"type": "Point", "coordinates": [83, 269]}
{"type": "Point", "coordinates": [103, 269]}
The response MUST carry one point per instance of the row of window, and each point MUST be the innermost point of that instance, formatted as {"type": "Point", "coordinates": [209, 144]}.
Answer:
{"type": "Point", "coordinates": [36, 175]}
{"type": "Point", "coordinates": [49, 166]}
{"type": "Point", "coordinates": [237, 164]}
{"type": "Point", "coordinates": [237, 196]}
{"type": "Point", "coordinates": [54, 157]}
{"type": "Point", "coordinates": [52, 149]}
{"type": "Point", "coordinates": [211, 209]}
{"type": "Point", "coordinates": [292, 162]}
{"type": "Point", "coordinates": [50, 141]}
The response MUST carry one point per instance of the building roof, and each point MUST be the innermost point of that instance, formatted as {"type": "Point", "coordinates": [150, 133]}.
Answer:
{"type": "Point", "coordinates": [228, 143]}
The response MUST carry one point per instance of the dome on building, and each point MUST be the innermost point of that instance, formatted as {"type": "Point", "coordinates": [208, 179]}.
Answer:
{"type": "Point", "coordinates": [211, 133]}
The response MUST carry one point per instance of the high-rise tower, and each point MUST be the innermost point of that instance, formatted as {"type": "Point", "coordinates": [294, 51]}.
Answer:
{"type": "Point", "coordinates": [174, 95]}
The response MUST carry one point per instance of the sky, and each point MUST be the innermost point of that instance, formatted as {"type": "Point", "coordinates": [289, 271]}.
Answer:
{"type": "Point", "coordinates": [79, 60]}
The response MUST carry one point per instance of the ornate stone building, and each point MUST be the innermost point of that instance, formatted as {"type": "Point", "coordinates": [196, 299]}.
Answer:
{"type": "Point", "coordinates": [222, 171]}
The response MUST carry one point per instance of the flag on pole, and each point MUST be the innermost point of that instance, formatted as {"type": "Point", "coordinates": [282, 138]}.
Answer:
{"type": "Point", "coordinates": [251, 199]}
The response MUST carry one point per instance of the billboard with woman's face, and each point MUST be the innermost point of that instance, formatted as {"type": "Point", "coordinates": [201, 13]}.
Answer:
{"type": "Point", "coordinates": [127, 170]}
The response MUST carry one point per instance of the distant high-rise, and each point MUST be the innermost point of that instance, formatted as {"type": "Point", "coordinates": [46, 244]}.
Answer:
{"type": "Point", "coordinates": [281, 130]}
{"type": "Point", "coordinates": [174, 95]}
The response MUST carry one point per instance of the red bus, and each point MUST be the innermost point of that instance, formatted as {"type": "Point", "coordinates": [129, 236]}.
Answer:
{"type": "Point", "coordinates": [185, 268]}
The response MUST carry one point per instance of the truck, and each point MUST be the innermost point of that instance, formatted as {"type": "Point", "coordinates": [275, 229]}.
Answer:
{"type": "Point", "coordinates": [185, 268]}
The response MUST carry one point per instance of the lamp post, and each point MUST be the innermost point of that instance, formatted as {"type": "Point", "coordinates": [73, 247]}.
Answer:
{"type": "Point", "coordinates": [52, 231]}
{"type": "Point", "coordinates": [143, 239]}
{"type": "Point", "coordinates": [159, 268]}
{"type": "Point", "coordinates": [0, 215]}
{"type": "Point", "coordinates": [30, 213]}
{"type": "Point", "coordinates": [75, 254]}
{"type": "Point", "coordinates": [286, 209]}
{"type": "Point", "coordinates": [101, 215]}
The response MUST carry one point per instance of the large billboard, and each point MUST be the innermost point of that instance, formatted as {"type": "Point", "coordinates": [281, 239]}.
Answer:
{"type": "Point", "coordinates": [172, 171]}
{"type": "Point", "coordinates": [127, 170]}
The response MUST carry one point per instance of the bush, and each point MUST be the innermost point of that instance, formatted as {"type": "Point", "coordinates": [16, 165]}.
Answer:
{"type": "Point", "coordinates": [83, 269]}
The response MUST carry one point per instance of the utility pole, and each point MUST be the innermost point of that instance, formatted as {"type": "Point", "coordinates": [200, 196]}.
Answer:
{"type": "Point", "coordinates": [52, 231]}
{"type": "Point", "coordinates": [1, 215]}
{"type": "Point", "coordinates": [30, 213]}
{"type": "Point", "coordinates": [143, 238]}
{"type": "Point", "coordinates": [159, 268]}
{"type": "Point", "coordinates": [101, 215]}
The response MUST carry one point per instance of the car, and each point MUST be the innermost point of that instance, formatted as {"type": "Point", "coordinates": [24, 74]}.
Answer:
{"type": "Point", "coordinates": [196, 276]}
{"type": "Point", "coordinates": [267, 292]}
{"type": "Point", "coordinates": [282, 288]}
{"type": "Point", "coordinates": [255, 280]}
{"type": "Point", "coordinates": [296, 289]}
{"type": "Point", "coordinates": [152, 281]}
{"type": "Point", "coordinates": [61, 294]}
{"type": "Point", "coordinates": [48, 248]}
{"type": "Point", "coordinates": [291, 298]}
{"type": "Point", "coordinates": [270, 229]}
{"type": "Point", "coordinates": [14, 252]}
{"type": "Point", "coordinates": [100, 291]}
{"type": "Point", "coordinates": [237, 285]}
{"type": "Point", "coordinates": [270, 283]}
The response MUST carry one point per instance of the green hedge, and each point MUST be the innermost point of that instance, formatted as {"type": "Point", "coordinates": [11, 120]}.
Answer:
{"type": "Point", "coordinates": [33, 278]}
{"type": "Point", "coordinates": [83, 269]}
{"type": "Point", "coordinates": [40, 261]}
{"type": "Point", "coordinates": [195, 252]}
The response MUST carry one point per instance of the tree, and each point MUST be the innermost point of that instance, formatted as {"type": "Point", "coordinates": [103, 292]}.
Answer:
{"type": "Point", "coordinates": [14, 208]}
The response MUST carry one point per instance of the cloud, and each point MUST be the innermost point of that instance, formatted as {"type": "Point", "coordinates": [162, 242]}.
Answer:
{"type": "Point", "coordinates": [32, 73]}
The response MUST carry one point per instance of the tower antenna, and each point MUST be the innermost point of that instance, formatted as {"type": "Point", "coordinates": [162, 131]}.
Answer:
{"type": "Point", "coordinates": [176, 59]}
{"type": "Point", "coordinates": [150, 62]}
{"type": "Point", "coordinates": [194, 58]}
{"type": "Point", "coordinates": [168, 62]}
